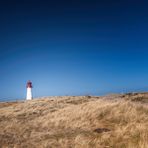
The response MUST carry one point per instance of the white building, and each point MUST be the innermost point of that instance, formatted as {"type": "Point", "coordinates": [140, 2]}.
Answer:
{"type": "Point", "coordinates": [29, 90]}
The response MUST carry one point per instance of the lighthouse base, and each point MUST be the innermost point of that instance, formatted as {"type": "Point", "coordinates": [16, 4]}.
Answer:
{"type": "Point", "coordinates": [29, 94]}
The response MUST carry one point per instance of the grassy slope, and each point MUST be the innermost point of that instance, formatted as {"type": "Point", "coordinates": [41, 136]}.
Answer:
{"type": "Point", "coordinates": [115, 121]}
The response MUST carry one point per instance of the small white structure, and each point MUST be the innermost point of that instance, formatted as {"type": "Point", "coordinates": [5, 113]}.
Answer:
{"type": "Point", "coordinates": [29, 90]}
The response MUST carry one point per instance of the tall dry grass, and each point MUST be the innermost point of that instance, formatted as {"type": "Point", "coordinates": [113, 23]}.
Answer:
{"type": "Point", "coordinates": [76, 122]}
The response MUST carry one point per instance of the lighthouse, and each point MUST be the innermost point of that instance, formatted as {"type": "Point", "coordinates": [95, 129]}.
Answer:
{"type": "Point", "coordinates": [29, 90]}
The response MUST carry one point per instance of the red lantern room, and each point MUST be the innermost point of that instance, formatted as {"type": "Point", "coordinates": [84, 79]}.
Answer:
{"type": "Point", "coordinates": [29, 84]}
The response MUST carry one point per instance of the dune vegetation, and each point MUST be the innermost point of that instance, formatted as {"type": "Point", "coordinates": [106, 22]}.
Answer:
{"type": "Point", "coordinates": [113, 121]}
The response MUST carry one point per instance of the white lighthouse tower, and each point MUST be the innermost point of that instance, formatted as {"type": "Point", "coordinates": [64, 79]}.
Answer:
{"type": "Point", "coordinates": [29, 90]}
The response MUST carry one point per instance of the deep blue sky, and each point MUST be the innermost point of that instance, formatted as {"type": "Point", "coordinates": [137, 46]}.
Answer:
{"type": "Point", "coordinates": [73, 47]}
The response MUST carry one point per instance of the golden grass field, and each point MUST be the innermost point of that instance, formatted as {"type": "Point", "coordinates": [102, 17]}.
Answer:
{"type": "Point", "coordinates": [113, 121]}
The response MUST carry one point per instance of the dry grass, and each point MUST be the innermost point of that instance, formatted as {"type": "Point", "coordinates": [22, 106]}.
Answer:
{"type": "Point", "coordinates": [116, 121]}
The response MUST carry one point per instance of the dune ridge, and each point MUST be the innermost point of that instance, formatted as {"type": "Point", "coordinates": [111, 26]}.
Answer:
{"type": "Point", "coordinates": [112, 121]}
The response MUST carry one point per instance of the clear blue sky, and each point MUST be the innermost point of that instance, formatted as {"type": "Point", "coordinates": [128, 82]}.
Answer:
{"type": "Point", "coordinates": [76, 47]}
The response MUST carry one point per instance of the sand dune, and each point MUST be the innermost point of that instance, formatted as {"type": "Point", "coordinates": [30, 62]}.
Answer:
{"type": "Point", "coordinates": [113, 121]}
